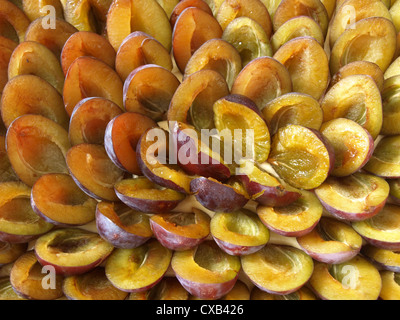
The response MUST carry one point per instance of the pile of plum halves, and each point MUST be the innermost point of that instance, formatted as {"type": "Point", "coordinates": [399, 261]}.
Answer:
{"type": "Point", "coordinates": [99, 96]}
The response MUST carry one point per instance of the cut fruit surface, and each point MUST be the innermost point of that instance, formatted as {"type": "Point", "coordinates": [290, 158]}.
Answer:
{"type": "Point", "coordinates": [301, 156]}
{"type": "Point", "coordinates": [239, 233]}
{"type": "Point", "coordinates": [138, 269]}
{"type": "Point", "coordinates": [356, 279]}
{"type": "Point", "coordinates": [355, 197]}
{"type": "Point", "coordinates": [278, 269]}
{"type": "Point", "coordinates": [72, 250]}
{"type": "Point", "coordinates": [383, 229]}
{"type": "Point", "coordinates": [206, 271]}
{"type": "Point", "coordinates": [142, 194]}
{"type": "Point", "coordinates": [181, 230]}
{"type": "Point", "coordinates": [294, 219]}
{"type": "Point", "coordinates": [331, 241]}
{"type": "Point", "coordinates": [121, 226]}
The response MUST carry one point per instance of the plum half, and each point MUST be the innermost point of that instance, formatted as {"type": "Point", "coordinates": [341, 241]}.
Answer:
{"type": "Point", "coordinates": [217, 196]}
{"type": "Point", "coordinates": [383, 229]}
{"type": "Point", "coordinates": [57, 199]}
{"type": "Point", "coordinates": [92, 285]}
{"type": "Point", "coordinates": [355, 197]}
{"type": "Point", "coordinates": [355, 279]}
{"type": "Point", "coordinates": [138, 269]}
{"type": "Point", "coordinates": [301, 156]}
{"type": "Point", "coordinates": [278, 269]}
{"type": "Point", "coordinates": [294, 219]}
{"type": "Point", "coordinates": [239, 233]}
{"type": "Point", "coordinates": [384, 259]}
{"type": "Point", "coordinates": [72, 251]}
{"type": "Point", "coordinates": [206, 271]}
{"type": "Point", "coordinates": [19, 223]}
{"type": "Point", "coordinates": [331, 241]}
{"type": "Point", "coordinates": [352, 143]}
{"type": "Point", "coordinates": [143, 195]}
{"type": "Point", "coordinates": [180, 231]}
{"type": "Point", "coordinates": [122, 226]}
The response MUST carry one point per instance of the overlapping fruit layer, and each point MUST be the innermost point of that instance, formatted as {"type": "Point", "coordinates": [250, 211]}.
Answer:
{"type": "Point", "coordinates": [108, 185]}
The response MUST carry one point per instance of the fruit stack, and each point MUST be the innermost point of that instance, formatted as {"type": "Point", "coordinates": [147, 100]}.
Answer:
{"type": "Point", "coordinates": [200, 149]}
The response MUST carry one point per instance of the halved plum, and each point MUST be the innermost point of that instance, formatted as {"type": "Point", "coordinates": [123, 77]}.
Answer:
{"type": "Point", "coordinates": [240, 123]}
{"type": "Point", "coordinates": [294, 219]}
{"type": "Point", "coordinates": [206, 271]}
{"type": "Point", "coordinates": [249, 39]}
{"type": "Point", "coordinates": [391, 112]}
{"type": "Point", "coordinates": [16, 17]}
{"type": "Point", "coordinates": [195, 155]}
{"type": "Point", "coordinates": [192, 28]}
{"type": "Point", "coordinates": [9, 252]}
{"type": "Point", "coordinates": [72, 251]}
{"type": "Point", "coordinates": [331, 241]}
{"type": "Point", "coordinates": [28, 93]}
{"type": "Point", "coordinates": [35, 146]}
{"type": "Point", "coordinates": [254, 9]}
{"type": "Point", "coordinates": [127, 16]}
{"type": "Point", "coordinates": [265, 188]}
{"type": "Point", "coordinates": [148, 90]}
{"type": "Point", "coordinates": [92, 285]}
{"type": "Point", "coordinates": [356, 97]}
{"type": "Point", "coordinates": [54, 37]}
{"type": "Point", "coordinates": [90, 77]}
{"type": "Point", "coordinates": [184, 4]}
{"type": "Point", "coordinates": [352, 143]}
{"type": "Point", "coordinates": [31, 57]}
{"type": "Point", "coordinates": [385, 161]}
{"type": "Point", "coordinates": [169, 288]}
{"type": "Point", "coordinates": [181, 231]}
{"type": "Point", "coordinates": [93, 171]}
{"type": "Point", "coordinates": [357, 10]}
{"type": "Point", "coordinates": [355, 197]}
{"type": "Point", "coordinates": [27, 279]}
{"type": "Point", "coordinates": [57, 199]}
{"type": "Point", "coordinates": [193, 100]}
{"type": "Point", "coordinates": [384, 259]}
{"type": "Point", "coordinates": [383, 229]}
{"type": "Point", "coordinates": [288, 9]}
{"type": "Point", "coordinates": [121, 138]}
{"type": "Point", "coordinates": [355, 279]}
{"type": "Point", "coordinates": [307, 63]}
{"type": "Point", "coordinates": [262, 80]}
{"type": "Point", "coordinates": [298, 26]}
{"type": "Point", "coordinates": [138, 269]}
{"type": "Point", "coordinates": [359, 67]}
{"type": "Point", "coordinates": [301, 156]}
{"type": "Point", "coordinates": [122, 226]}
{"type": "Point", "coordinates": [304, 293]}
{"type": "Point", "coordinates": [153, 158]}
{"type": "Point", "coordinates": [89, 120]}
{"type": "Point", "coordinates": [278, 269]}
{"type": "Point", "coordinates": [86, 43]}
{"type": "Point", "coordinates": [217, 196]}
{"type": "Point", "coordinates": [19, 223]}
{"type": "Point", "coordinates": [394, 193]}
{"type": "Point", "coordinates": [293, 108]}
{"type": "Point", "coordinates": [143, 195]}
{"type": "Point", "coordinates": [239, 233]}
{"type": "Point", "coordinates": [372, 39]}
{"type": "Point", "coordinates": [390, 285]}
{"type": "Point", "coordinates": [139, 49]}
{"type": "Point", "coordinates": [216, 54]}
